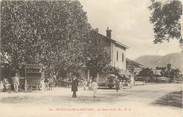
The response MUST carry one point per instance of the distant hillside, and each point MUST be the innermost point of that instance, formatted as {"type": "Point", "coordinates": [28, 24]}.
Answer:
{"type": "Point", "coordinates": [176, 59]}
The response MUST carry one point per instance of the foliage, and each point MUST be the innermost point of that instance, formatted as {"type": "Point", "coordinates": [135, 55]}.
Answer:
{"type": "Point", "coordinates": [146, 72]}
{"type": "Point", "coordinates": [165, 18]}
{"type": "Point", "coordinates": [96, 54]}
{"type": "Point", "coordinates": [52, 33]}
{"type": "Point", "coordinates": [168, 71]}
{"type": "Point", "coordinates": [172, 73]}
{"type": "Point", "coordinates": [111, 70]}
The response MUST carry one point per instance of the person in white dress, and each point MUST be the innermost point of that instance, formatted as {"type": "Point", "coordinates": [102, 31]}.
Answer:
{"type": "Point", "coordinates": [16, 82]}
{"type": "Point", "coordinates": [84, 84]}
{"type": "Point", "coordinates": [42, 85]}
{"type": "Point", "coordinates": [90, 84]}
{"type": "Point", "coordinates": [6, 85]}
{"type": "Point", "coordinates": [132, 81]}
{"type": "Point", "coordinates": [94, 87]}
{"type": "Point", "coordinates": [1, 86]}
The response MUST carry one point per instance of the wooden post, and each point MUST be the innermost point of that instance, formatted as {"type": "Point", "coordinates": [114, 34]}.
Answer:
{"type": "Point", "coordinates": [25, 80]}
{"type": "Point", "coordinates": [88, 73]}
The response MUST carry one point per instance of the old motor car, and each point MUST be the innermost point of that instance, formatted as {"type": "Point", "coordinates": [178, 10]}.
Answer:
{"type": "Point", "coordinates": [107, 81]}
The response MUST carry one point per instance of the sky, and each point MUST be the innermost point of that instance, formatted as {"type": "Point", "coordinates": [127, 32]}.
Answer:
{"type": "Point", "coordinates": [130, 25]}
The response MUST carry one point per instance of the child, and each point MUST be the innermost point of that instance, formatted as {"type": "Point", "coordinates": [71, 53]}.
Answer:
{"type": "Point", "coordinates": [51, 83]}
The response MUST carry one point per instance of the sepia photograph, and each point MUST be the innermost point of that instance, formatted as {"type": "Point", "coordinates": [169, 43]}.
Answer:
{"type": "Point", "coordinates": [91, 58]}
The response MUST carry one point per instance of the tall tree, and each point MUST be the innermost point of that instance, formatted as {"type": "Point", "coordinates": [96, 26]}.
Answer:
{"type": "Point", "coordinates": [165, 18]}
{"type": "Point", "coordinates": [52, 33]}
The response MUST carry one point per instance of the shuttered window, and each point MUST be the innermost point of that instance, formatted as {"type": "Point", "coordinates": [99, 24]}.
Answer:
{"type": "Point", "coordinates": [117, 55]}
{"type": "Point", "coordinates": [123, 57]}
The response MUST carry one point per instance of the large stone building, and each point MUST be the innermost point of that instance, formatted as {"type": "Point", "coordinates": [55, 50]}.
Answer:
{"type": "Point", "coordinates": [115, 49]}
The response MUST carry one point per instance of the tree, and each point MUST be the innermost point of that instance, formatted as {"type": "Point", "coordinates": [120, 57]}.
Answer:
{"type": "Point", "coordinates": [52, 33]}
{"type": "Point", "coordinates": [71, 28]}
{"type": "Point", "coordinates": [169, 72]}
{"type": "Point", "coordinates": [165, 18]}
{"type": "Point", "coordinates": [162, 70]}
{"type": "Point", "coordinates": [172, 73]}
{"type": "Point", "coordinates": [175, 74]}
{"type": "Point", "coordinates": [147, 73]}
{"type": "Point", "coordinates": [97, 55]}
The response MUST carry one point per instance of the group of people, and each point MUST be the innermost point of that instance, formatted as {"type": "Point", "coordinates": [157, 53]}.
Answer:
{"type": "Point", "coordinates": [46, 84]}
{"type": "Point", "coordinates": [93, 86]}
{"type": "Point", "coordinates": [119, 84]}
{"type": "Point", "coordinates": [90, 85]}
{"type": "Point", "coordinates": [13, 84]}
{"type": "Point", "coordinates": [7, 85]}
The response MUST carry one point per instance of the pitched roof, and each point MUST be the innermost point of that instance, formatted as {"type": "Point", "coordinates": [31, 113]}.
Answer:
{"type": "Point", "coordinates": [94, 33]}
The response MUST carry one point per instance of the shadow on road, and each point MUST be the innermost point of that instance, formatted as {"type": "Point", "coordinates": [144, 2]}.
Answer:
{"type": "Point", "coordinates": [172, 99]}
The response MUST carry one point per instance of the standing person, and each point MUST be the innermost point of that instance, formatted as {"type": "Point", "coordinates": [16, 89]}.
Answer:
{"type": "Point", "coordinates": [84, 84]}
{"type": "Point", "coordinates": [121, 84]}
{"type": "Point", "coordinates": [42, 84]}
{"type": "Point", "coordinates": [7, 85]}
{"type": "Point", "coordinates": [89, 84]}
{"type": "Point", "coordinates": [74, 87]}
{"type": "Point", "coordinates": [46, 82]}
{"type": "Point", "coordinates": [1, 86]}
{"type": "Point", "coordinates": [131, 81]}
{"type": "Point", "coordinates": [117, 84]}
{"type": "Point", "coordinates": [94, 87]}
{"type": "Point", "coordinates": [51, 83]}
{"type": "Point", "coordinates": [16, 82]}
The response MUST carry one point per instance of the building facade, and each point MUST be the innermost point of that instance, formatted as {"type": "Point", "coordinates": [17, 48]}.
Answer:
{"type": "Point", "coordinates": [118, 56]}
{"type": "Point", "coordinates": [115, 49]}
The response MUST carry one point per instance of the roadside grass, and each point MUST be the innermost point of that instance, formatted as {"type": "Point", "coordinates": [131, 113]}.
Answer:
{"type": "Point", "coordinates": [172, 99]}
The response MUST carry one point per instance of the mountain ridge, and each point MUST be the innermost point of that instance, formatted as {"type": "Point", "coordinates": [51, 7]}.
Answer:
{"type": "Point", "coordinates": [152, 61]}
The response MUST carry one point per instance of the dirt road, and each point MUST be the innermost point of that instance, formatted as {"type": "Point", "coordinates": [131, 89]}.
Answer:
{"type": "Point", "coordinates": [139, 101]}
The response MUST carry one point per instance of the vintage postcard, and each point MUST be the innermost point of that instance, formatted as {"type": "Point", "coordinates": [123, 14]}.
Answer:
{"type": "Point", "coordinates": [91, 58]}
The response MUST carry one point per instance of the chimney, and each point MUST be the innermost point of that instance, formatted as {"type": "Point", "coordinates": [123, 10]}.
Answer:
{"type": "Point", "coordinates": [108, 33]}
{"type": "Point", "coordinates": [96, 30]}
